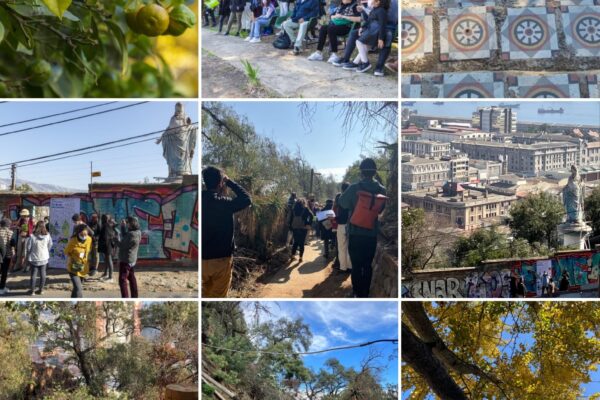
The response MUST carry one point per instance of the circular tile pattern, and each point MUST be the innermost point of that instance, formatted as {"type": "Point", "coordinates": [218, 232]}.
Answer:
{"type": "Point", "coordinates": [586, 30]}
{"type": "Point", "coordinates": [411, 34]}
{"type": "Point", "coordinates": [468, 91]}
{"type": "Point", "coordinates": [529, 32]}
{"type": "Point", "coordinates": [468, 32]}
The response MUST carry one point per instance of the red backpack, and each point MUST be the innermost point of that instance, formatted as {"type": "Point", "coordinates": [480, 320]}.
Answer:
{"type": "Point", "coordinates": [368, 207]}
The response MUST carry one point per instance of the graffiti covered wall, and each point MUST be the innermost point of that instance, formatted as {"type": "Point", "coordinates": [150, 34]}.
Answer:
{"type": "Point", "coordinates": [492, 280]}
{"type": "Point", "coordinates": [168, 213]}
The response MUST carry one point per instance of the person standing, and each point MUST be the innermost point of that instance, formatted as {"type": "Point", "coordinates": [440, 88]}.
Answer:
{"type": "Point", "coordinates": [7, 251]}
{"type": "Point", "coordinates": [128, 253]}
{"type": "Point", "coordinates": [361, 200]}
{"type": "Point", "coordinates": [106, 242]}
{"type": "Point", "coordinates": [24, 230]}
{"type": "Point", "coordinates": [94, 225]}
{"type": "Point", "coordinates": [300, 221]}
{"type": "Point", "coordinates": [217, 228]}
{"type": "Point", "coordinates": [237, 9]}
{"type": "Point", "coordinates": [77, 252]}
{"type": "Point", "coordinates": [341, 215]}
{"type": "Point", "coordinates": [38, 255]}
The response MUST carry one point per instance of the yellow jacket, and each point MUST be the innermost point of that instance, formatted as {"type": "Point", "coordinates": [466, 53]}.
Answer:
{"type": "Point", "coordinates": [74, 251]}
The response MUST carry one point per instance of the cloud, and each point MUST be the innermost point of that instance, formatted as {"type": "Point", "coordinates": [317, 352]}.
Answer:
{"type": "Point", "coordinates": [319, 342]}
{"type": "Point", "coordinates": [357, 316]}
{"type": "Point", "coordinates": [337, 172]}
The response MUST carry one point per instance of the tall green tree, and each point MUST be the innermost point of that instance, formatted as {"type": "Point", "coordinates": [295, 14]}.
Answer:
{"type": "Point", "coordinates": [536, 218]}
{"type": "Point", "coordinates": [592, 210]}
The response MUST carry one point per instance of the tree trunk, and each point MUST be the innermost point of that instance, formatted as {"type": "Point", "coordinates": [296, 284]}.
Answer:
{"type": "Point", "coordinates": [419, 357]}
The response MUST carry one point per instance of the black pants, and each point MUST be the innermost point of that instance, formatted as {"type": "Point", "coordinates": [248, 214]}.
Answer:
{"type": "Point", "coordinates": [77, 291]}
{"type": "Point", "coordinates": [333, 31]}
{"type": "Point", "coordinates": [4, 272]}
{"type": "Point", "coordinates": [299, 239]}
{"type": "Point", "coordinates": [362, 251]}
{"type": "Point", "coordinates": [210, 13]}
{"type": "Point", "coordinates": [328, 240]}
{"type": "Point", "coordinates": [222, 20]}
{"type": "Point", "coordinates": [109, 264]}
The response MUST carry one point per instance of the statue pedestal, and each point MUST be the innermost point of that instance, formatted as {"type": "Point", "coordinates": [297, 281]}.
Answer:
{"type": "Point", "coordinates": [572, 234]}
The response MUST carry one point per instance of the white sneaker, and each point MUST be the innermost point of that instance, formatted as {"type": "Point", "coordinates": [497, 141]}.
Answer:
{"type": "Point", "coordinates": [255, 40]}
{"type": "Point", "coordinates": [316, 56]}
{"type": "Point", "coordinates": [248, 39]}
{"type": "Point", "coordinates": [333, 58]}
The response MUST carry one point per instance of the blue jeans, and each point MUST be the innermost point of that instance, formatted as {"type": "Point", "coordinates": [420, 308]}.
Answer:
{"type": "Point", "coordinates": [257, 25]}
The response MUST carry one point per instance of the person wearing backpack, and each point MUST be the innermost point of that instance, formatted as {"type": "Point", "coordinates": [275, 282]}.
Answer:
{"type": "Point", "coordinates": [364, 201]}
{"type": "Point", "coordinates": [341, 215]}
{"type": "Point", "coordinates": [38, 255]}
{"type": "Point", "coordinates": [78, 251]}
{"type": "Point", "coordinates": [7, 250]}
{"type": "Point", "coordinates": [128, 254]}
{"type": "Point", "coordinates": [217, 230]}
{"type": "Point", "coordinates": [300, 221]}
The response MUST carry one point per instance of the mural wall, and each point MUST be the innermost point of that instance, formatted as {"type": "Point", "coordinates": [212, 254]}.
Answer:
{"type": "Point", "coordinates": [168, 213]}
{"type": "Point", "coordinates": [493, 280]}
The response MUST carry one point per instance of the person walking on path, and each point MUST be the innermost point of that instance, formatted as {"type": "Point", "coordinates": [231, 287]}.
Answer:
{"type": "Point", "coordinates": [38, 255]}
{"type": "Point", "coordinates": [326, 229]}
{"type": "Point", "coordinates": [300, 222]}
{"type": "Point", "coordinates": [128, 253]}
{"type": "Point", "coordinates": [94, 225]}
{"type": "Point", "coordinates": [24, 230]}
{"type": "Point", "coordinates": [363, 202]}
{"type": "Point", "coordinates": [77, 252]}
{"type": "Point", "coordinates": [7, 251]}
{"type": "Point", "coordinates": [107, 238]}
{"type": "Point", "coordinates": [217, 228]}
{"type": "Point", "coordinates": [341, 215]}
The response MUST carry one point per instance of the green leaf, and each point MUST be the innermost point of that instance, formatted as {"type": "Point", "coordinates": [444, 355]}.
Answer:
{"type": "Point", "coordinates": [4, 24]}
{"type": "Point", "coordinates": [119, 36]}
{"type": "Point", "coordinates": [57, 7]}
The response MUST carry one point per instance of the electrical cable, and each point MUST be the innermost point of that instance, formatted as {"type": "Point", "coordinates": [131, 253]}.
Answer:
{"type": "Point", "coordinates": [57, 114]}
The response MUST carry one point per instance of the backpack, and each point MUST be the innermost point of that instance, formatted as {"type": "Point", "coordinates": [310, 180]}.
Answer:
{"type": "Point", "coordinates": [297, 222]}
{"type": "Point", "coordinates": [368, 207]}
{"type": "Point", "coordinates": [327, 224]}
{"type": "Point", "coordinates": [283, 42]}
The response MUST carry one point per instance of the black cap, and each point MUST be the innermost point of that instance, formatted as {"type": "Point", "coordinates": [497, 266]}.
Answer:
{"type": "Point", "coordinates": [368, 164]}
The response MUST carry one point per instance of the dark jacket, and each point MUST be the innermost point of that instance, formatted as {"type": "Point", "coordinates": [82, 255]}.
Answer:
{"type": "Point", "coordinates": [107, 238]}
{"type": "Point", "coordinates": [378, 15]}
{"type": "Point", "coordinates": [306, 10]}
{"type": "Point", "coordinates": [238, 5]}
{"type": "Point", "coordinates": [129, 246]}
{"type": "Point", "coordinates": [307, 217]}
{"type": "Point", "coordinates": [217, 220]}
{"type": "Point", "coordinates": [348, 200]}
{"type": "Point", "coordinates": [224, 7]}
{"type": "Point", "coordinates": [341, 213]}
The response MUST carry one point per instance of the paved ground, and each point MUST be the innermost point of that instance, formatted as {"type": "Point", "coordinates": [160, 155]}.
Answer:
{"type": "Point", "coordinates": [313, 277]}
{"type": "Point", "coordinates": [292, 76]}
{"type": "Point", "coordinates": [153, 282]}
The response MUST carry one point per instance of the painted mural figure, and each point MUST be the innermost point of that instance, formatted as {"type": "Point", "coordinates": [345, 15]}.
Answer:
{"type": "Point", "coordinates": [179, 142]}
{"type": "Point", "coordinates": [573, 194]}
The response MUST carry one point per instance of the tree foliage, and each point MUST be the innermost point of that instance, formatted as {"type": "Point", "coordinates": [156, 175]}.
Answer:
{"type": "Point", "coordinates": [85, 48]}
{"type": "Point", "coordinates": [508, 350]}
{"type": "Point", "coordinates": [536, 218]}
{"type": "Point", "coordinates": [592, 210]}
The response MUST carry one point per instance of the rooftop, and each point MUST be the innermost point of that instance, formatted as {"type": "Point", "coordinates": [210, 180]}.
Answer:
{"type": "Point", "coordinates": [534, 146]}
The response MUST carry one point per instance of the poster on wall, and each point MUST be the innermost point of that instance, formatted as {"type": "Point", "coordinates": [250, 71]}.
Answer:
{"type": "Point", "coordinates": [61, 227]}
{"type": "Point", "coordinates": [541, 267]}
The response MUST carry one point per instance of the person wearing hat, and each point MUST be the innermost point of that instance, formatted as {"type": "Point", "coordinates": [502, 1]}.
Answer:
{"type": "Point", "coordinates": [24, 231]}
{"type": "Point", "coordinates": [362, 242]}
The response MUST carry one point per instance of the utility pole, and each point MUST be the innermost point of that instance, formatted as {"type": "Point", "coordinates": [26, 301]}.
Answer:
{"type": "Point", "coordinates": [91, 172]}
{"type": "Point", "coordinates": [312, 175]}
{"type": "Point", "coordinates": [13, 177]}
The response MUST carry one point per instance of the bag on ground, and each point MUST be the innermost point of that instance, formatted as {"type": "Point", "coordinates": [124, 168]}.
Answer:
{"type": "Point", "coordinates": [282, 42]}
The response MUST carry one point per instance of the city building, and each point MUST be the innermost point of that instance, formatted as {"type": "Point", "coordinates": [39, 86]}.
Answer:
{"type": "Point", "coordinates": [495, 119]}
{"type": "Point", "coordinates": [484, 171]}
{"type": "Point", "coordinates": [437, 133]}
{"type": "Point", "coordinates": [421, 173]}
{"type": "Point", "coordinates": [425, 148]}
{"type": "Point", "coordinates": [460, 208]}
{"type": "Point", "coordinates": [458, 165]}
{"type": "Point", "coordinates": [524, 159]}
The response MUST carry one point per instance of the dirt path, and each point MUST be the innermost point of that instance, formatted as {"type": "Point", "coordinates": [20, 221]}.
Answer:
{"type": "Point", "coordinates": [153, 282]}
{"type": "Point", "coordinates": [289, 75]}
{"type": "Point", "coordinates": [313, 277]}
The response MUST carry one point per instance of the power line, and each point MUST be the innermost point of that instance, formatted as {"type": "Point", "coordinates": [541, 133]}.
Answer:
{"type": "Point", "coordinates": [71, 119]}
{"type": "Point", "coordinates": [91, 147]}
{"type": "Point", "coordinates": [306, 352]}
{"type": "Point", "coordinates": [56, 115]}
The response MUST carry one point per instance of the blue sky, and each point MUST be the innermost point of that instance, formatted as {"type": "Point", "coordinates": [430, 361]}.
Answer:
{"type": "Point", "coordinates": [576, 112]}
{"type": "Point", "coordinates": [343, 323]}
{"type": "Point", "coordinates": [324, 147]}
{"type": "Point", "coordinates": [126, 164]}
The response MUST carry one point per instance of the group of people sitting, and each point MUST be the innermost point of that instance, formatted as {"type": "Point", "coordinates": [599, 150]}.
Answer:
{"type": "Point", "coordinates": [27, 246]}
{"type": "Point", "coordinates": [367, 26]}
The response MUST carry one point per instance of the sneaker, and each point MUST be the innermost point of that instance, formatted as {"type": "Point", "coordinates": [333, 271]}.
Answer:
{"type": "Point", "coordinates": [378, 72]}
{"type": "Point", "coordinates": [364, 67]}
{"type": "Point", "coordinates": [339, 63]}
{"type": "Point", "coordinates": [316, 56]}
{"type": "Point", "coordinates": [226, 33]}
{"type": "Point", "coordinates": [333, 58]}
{"type": "Point", "coordinates": [248, 39]}
{"type": "Point", "coordinates": [296, 50]}
{"type": "Point", "coordinates": [39, 292]}
{"type": "Point", "coordinates": [31, 292]}
{"type": "Point", "coordinates": [350, 66]}
{"type": "Point", "coordinates": [255, 40]}
{"type": "Point", "coordinates": [237, 34]}
{"type": "Point", "coordinates": [93, 272]}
